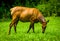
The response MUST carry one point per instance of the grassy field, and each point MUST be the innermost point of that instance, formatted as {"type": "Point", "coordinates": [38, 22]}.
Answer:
{"type": "Point", "coordinates": [52, 32]}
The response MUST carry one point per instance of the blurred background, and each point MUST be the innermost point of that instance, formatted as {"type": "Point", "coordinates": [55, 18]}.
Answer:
{"type": "Point", "coordinates": [47, 7]}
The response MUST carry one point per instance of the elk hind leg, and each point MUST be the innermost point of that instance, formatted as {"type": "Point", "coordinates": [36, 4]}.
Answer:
{"type": "Point", "coordinates": [15, 24]}
{"type": "Point", "coordinates": [11, 24]}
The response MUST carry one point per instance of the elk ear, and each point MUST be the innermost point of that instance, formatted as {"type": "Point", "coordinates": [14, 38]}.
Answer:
{"type": "Point", "coordinates": [47, 21]}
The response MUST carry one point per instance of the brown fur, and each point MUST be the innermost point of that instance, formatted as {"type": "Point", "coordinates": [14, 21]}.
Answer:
{"type": "Point", "coordinates": [25, 14]}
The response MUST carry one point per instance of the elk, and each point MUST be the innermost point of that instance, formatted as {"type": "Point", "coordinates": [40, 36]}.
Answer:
{"type": "Point", "coordinates": [25, 14]}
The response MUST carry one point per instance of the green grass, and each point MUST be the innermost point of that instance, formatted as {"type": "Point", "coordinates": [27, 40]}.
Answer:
{"type": "Point", "coordinates": [52, 32]}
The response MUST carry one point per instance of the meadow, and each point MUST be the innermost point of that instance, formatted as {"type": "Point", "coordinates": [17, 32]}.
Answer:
{"type": "Point", "coordinates": [52, 32]}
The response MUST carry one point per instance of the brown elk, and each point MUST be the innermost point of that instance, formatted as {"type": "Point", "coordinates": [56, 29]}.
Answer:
{"type": "Point", "coordinates": [25, 14]}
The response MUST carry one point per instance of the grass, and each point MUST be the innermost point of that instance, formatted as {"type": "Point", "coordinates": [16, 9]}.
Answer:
{"type": "Point", "coordinates": [52, 32]}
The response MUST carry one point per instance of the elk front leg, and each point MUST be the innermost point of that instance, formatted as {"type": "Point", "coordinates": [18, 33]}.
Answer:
{"type": "Point", "coordinates": [31, 26]}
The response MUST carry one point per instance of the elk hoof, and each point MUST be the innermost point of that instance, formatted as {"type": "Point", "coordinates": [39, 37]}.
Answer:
{"type": "Point", "coordinates": [42, 32]}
